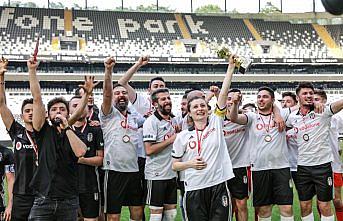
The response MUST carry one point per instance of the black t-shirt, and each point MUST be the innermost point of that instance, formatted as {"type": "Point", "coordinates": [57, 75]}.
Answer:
{"type": "Point", "coordinates": [88, 175]}
{"type": "Point", "coordinates": [6, 166]}
{"type": "Point", "coordinates": [57, 173]}
{"type": "Point", "coordinates": [24, 158]}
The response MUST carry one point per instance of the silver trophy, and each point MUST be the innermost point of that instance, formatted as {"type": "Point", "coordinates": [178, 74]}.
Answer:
{"type": "Point", "coordinates": [241, 63]}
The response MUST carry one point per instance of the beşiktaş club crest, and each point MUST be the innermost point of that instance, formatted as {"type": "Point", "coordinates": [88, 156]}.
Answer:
{"type": "Point", "coordinates": [329, 181]}
{"type": "Point", "coordinates": [18, 146]}
{"type": "Point", "coordinates": [225, 201]}
{"type": "Point", "coordinates": [245, 179]}
{"type": "Point", "coordinates": [89, 137]}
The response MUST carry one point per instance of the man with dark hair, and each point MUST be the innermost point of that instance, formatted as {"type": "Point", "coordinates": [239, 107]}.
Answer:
{"type": "Point", "coordinates": [119, 125]}
{"type": "Point", "coordinates": [20, 197]}
{"type": "Point", "coordinates": [269, 156]}
{"type": "Point", "coordinates": [249, 107]}
{"type": "Point", "coordinates": [159, 134]}
{"type": "Point", "coordinates": [314, 172]}
{"type": "Point", "coordinates": [88, 165]}
{"type": "Point", "coordinates": [55, 181]}
{"type": "Point", "coordinates": [336, 121]}
{"type": "Point", "coordinates": [289, 99]}
{"type": "Point", "coordinates": [236, 137]}
{"type": "Point", "coordinates": [143, 105]}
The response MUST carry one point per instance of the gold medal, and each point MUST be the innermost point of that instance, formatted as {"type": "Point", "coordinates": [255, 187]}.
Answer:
{"type": "Point", "coordinates": [126, 139]}
{"type": "Point", "coordinates": [306, 137]}
{"type": "Point", "coordinates": [268, 138]}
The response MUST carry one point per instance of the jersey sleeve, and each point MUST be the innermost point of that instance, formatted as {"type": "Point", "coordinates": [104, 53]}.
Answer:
{"type": "Point", "coordinates": [8, 161]}
{"type": "Point", "coordinates": [285, 112]}
{"type": "Point", "coordinates": [250, 117]}
{"type": "Point", "coordinates": [328, 112]}
{"type": "Point", "coordinates": [179, 148]}
{"type": "Point", "coordinates": [149, 130]}
{"type": "Point", "coordinates": [105, 118]}
{"type": "Point", "coordinates": [99, 139]}
{"type": "Point", "coordinates": [220, 112]}
{"type": "Point", "coordinates": [14, 129]}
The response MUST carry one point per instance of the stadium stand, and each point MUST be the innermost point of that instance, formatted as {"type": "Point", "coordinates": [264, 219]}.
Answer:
{"type": "Point", "coordinates": [103, 33]}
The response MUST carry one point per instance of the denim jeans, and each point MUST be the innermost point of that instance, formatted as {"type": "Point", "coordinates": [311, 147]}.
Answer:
{"type": "Point", "coordinates": [47, 209]}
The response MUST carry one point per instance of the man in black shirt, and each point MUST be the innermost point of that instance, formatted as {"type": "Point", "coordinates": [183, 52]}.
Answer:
{"type": "Point", "coordinates": [24, 151]}
{"type": "Point", "coordinates": [88, 165]}
{"type": "Point", "coordinates": [55, 180]}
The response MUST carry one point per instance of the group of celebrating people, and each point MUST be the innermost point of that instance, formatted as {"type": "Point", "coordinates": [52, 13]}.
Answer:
{"type": "Point", "coordinates": [74, 157]}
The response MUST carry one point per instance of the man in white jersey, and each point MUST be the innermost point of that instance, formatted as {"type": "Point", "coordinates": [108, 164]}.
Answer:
{"type": "Point", "coordinates": [122, 185]}
{"type": "Point", "coordinates": [321, 97]}
{"type": "Point", "coordinates": [236, 137]}
{"type": "Point", "coordinates": [314, 172]}
{"type": "Point", "coordinates": [289, 100]}
{"type": "Point", "coordinates": [143, 105]}
{"type": "Point", "coordinates": [269, 156]}
{"type": "Point", "coordinates": [159, 135]}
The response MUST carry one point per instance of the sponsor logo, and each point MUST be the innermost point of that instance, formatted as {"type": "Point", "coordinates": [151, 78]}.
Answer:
{"type": "Point", "coordinates": [18, 146]}
{"type": "Point", "coordinates": [89, 137]}
{"type": "Point", "coordinates": [192, 144]}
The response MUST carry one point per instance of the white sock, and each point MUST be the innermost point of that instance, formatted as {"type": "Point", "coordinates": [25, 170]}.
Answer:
{"type": "Point", "coordinates": [327, 218]}
{"type": "Point", "coordinates": [156, 217]}
{"type": "Point", "coordinates": [309, 217]}
{"type": "Point", "coordinates": [287, 218]}
{"type": "Point", "coordinates": [169, 215]}
{"type": "Point", "coordinates": [265, 219]}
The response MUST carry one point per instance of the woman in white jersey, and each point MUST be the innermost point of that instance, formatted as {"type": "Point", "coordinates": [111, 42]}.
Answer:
{"type": "Point", "coordinates": [201, 152]}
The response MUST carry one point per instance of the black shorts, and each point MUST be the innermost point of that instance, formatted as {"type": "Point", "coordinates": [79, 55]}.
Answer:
{"type": "Point", "coordinates": [239, 186]}
{"type": "Point", "coordinates": [161, 192]}
{"type": "Point", "coordinates": [272, 187]}
{"type": "Point", "coordinates": [22, 205]}
{"type": "Point", "coordinates": [211, 203]}
{"type": "Point", "coordinates": [122, 189]}
{"type": "Point", "coordinates": [89, 204]}
{"type": "Point", "coordinates": [315, 180]}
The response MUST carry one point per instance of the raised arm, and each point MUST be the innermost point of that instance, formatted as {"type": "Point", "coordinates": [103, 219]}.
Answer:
{"type": "Point", "coordinates": [221, 103]}
{"type": "Point", "coordinates": [38, 115]}
{"type": "Point", "coordinates": [108, 86]}
{"type": "Point", "coordinates": [124, 80]}
{"type": "Point", "coordinates": [337, 106]}
{"type": "Point", "coordinates": [234, 116]}
{"type": "Point", "coordinates": [5, 112]}
{"type": "Point", "coordinates": [88, 87]}
{"type": "Point", "coordinates": [78, 147]}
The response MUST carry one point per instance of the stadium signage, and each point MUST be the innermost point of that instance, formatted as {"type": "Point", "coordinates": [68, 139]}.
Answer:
{"type": "Point", "coordinates": [30, 21]}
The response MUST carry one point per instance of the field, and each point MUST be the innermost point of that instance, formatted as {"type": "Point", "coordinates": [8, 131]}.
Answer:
{"type": "Point", "coordinates": [296, 210]}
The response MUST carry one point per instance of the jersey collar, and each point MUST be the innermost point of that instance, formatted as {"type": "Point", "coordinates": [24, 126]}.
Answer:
{"type": "Point", "coordinates": [311, 109]}
{"type": "Point", "coordinates": [159, 117]}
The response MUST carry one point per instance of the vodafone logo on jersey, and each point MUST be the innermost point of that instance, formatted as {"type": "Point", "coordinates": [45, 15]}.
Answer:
{"type": "Point", "coordinates": [18, 146]}
{"type": "Point", "coordinates": [192, 144]}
